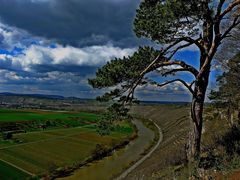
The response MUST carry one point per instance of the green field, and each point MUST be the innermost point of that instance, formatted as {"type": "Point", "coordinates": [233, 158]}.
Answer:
{"type": "Point", "coordinates": [7, 115]}
{"type": "Point", "coordinates": [9, 172]}
{"type": "Point", "coordinates": [39, 152]}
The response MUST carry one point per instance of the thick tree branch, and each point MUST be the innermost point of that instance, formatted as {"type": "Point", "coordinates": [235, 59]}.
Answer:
{"type": "Point", "coordinates": [165, 61]}
{"type": "Point", "coordinates": [192, 83]}
{"type": "Point", "coordinates": [172, 71]}
{"type": "Point", "coordinates": [177, 80]}
{"type": "Point", "coordinates": [138, 80]}
{"type": "Point", "coordinates": [180, 63]}
{"type": "Point", "coordinates": [236, 22]}
{"type": "Point", "coordinates": [194, 41]}
{"type": "Point", "coordinates": [154, 66]}
{"type": "Point", "coordinates": [229, 8]}
{"type": "Point", "coordinates": [218, 36]}
{"type": "Point", "coordinates": [189, 40]}
{"type": "Point", "coordinates": [217, 18]}
{"type": "Point", "coordinates": [219, 8]}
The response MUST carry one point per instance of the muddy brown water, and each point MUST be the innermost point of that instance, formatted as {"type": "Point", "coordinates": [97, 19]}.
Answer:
{"type": "Point", "coordinates": [110, 166]}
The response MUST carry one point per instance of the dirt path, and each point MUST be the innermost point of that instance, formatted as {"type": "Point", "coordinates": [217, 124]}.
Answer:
{"type": "Point", "coordinates": [129, 170]}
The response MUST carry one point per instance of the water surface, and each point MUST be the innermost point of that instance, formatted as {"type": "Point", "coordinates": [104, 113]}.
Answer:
{"type": "Point", "coordinates": [112, 165]}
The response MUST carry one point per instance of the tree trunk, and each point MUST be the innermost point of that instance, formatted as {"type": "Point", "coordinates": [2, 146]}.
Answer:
{"type": "Point", "coordinates": [230, 112]}
{"type": "Point", "coordinates": [238, 117]}
{"type": "Point", "coordinates": [197, 119]}
{"type": "Point", "coordinates": [196, 130]}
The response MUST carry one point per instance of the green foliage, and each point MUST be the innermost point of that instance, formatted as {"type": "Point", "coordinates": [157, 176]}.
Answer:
{"type": "Point", "coordinates": [105, 125]}
{"type": "Point", "coordinates": [164, 20]}
{"type": "Point", "coordinates": [175, 24]}
{"type": "Point", "coordinates": [116, 112]}
{"type": "Point", "coordinates": [121, 74]}
{"type": "Point", "coordinates": [123, 71]}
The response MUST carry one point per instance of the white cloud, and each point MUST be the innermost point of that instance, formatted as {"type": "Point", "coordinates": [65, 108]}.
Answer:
{"type": "Point", "coordinates": [172, 88]}
{"type": "Point", "coordinates": [17, 66]}
{"type": "Point", "coordinates": [36, 51]}
{"type": "Point", "coordinates": [88, 56]}
{"type": "Point", "coordinates": [13, 76]}
{"type": "Point", "coordinates": [11, 37]}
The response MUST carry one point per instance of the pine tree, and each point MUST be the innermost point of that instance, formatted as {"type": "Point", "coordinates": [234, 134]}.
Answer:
{"type": "Point", "coordinates": [175, 25]}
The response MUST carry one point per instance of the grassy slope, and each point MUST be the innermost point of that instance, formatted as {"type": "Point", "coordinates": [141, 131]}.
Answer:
{"type": "Point", "coordinates": [174, 122]}
{"type": "Point", "coordinates": [166, 162]}
{"type": "Point", "coordinates": [216, 128]}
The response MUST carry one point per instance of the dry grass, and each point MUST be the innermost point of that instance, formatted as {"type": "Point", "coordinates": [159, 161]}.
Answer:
{"type": "Point", "coordinates": [174, 121]}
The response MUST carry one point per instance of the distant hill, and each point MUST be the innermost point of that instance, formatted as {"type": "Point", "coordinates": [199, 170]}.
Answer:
{"type": "Point", "coordinates": [58, 97]}
{"type": "Point", "coordinates": [163, 102]}
{"type": "Point", "coordinates": [34, 95]}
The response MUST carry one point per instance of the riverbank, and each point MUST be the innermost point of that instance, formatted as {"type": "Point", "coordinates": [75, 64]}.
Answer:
{"type": "Point", "coordinates": [113, 165]}
{"type": "Point", "coordinates": [158, 139]}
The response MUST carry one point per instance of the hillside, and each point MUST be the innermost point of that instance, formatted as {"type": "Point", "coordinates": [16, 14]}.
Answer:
{"type": "Point", "coordinates": [220, 156]}
{"type": "Point", "coordinates": [173, 121]}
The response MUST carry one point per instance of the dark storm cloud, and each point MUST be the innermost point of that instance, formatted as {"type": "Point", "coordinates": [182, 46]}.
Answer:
{"type": "Point", "coordinates": [75, 22]}
{"type": "Point", "coordinates": [78, 70]}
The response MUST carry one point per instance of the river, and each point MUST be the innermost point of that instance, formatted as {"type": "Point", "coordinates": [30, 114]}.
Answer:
{"type": "Point", "coordinates": [113, 165]}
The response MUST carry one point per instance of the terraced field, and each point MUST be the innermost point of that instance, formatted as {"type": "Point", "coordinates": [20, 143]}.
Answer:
{"type": "Point", "coordinates": [174, 121]}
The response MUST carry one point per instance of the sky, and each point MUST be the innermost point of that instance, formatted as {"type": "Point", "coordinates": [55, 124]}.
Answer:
{"type": "Point", "coordinates": [55, 46]}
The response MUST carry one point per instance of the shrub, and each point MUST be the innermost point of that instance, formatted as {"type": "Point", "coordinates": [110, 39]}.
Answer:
{"type": "Point", "coordinates": [231, 141]}
{"type": "Point", "coordinates": [224, 154]}
{"type": "Point", "coordinates": [7, 136]}
{"type": "Point", "coordinates": [99, 152]}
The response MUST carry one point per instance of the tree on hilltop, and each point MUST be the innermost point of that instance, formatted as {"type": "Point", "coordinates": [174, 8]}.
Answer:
{"type": "Point", "coordinates": [175, 25]}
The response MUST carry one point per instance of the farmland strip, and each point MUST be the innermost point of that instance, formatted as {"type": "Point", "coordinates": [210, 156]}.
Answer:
{"type": "Point", "coordinates": [25, 171]}
{"type": "Point", "coordinates": [54, 138]}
